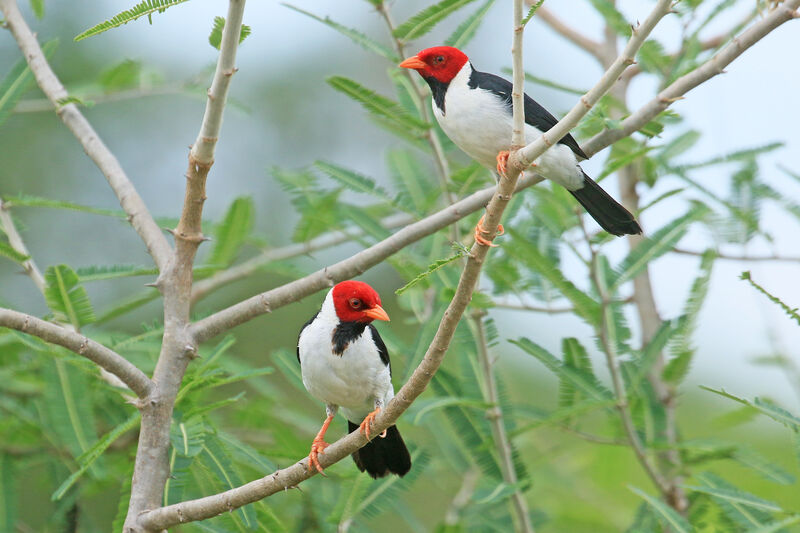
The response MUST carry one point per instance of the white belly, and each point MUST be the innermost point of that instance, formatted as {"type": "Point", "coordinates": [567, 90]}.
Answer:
{"type": "Point", "coordinates": [480, 123]}
{"type": "Point", "coordinates": [352, 381]}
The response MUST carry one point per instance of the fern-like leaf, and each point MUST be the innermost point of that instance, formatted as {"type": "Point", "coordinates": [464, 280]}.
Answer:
{"type": "Point", "coordinates": [232, 232]}
{"type": "Point", "coordinates": [467, 29]}
{"type": "Point", "coordinates": [66, 297]}
{"type": "Point", "coordinates": [425, 20]}
{"type": "Point", "coordinates": [18, 81]}
{"type": "Point", "coordinates": [142, 9]}
{"type": "Point", "coordinates": [379, 106]}
{"type": "Point", "coordinates": [215, 37]}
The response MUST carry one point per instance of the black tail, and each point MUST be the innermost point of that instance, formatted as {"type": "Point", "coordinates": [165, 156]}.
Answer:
{"type": "Point", "coordinates": [383, 456]}
{"type": "Point", "coordinates": [611, 216]}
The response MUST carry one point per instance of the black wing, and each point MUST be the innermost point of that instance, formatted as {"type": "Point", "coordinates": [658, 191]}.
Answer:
{"type": "Point", "coordinates": [310, 320]}
{"type": "Point", "coordinates": [382, 351]}
{"type": "Point", "coordinates": [535, 114]}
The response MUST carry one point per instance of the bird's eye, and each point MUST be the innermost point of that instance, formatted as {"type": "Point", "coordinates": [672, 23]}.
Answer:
{"type": "Point", "coordinates": [355, 303]}
{"type": "Point", "coordinates": [438, 59]}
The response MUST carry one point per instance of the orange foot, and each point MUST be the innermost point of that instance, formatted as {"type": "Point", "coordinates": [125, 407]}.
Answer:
{"type": "Point", "coordinates": [368, 422]}
{"type": "Point", "coordinates": [480, 239]}
{"type": "Point", "coordinates": [318, 446]}
{"type": "Point", "coordinates": [502, 162]}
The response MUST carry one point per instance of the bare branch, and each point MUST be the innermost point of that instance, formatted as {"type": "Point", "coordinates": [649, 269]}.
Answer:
{"type": "Point", "coordinates": [16, 242]}
{"type": "Point", "coordinates": [528, 154]}
{"type": "Point", "coordinates": [178, 347]}
{"type": "Point", "coordinates": [203, 287]}
{"type": "Point", "coordinates": [106, 358]}
{"type": "Point", "coordinates": [138, 215]}
{"type": "Point", "coordinates": [729, 257]}
{"type": "Point", "coordinates": [714, 66]}
{"type": "Point", "coordinates": [569, 33]}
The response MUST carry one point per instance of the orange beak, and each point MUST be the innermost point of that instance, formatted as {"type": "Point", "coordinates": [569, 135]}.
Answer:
{"type": "Point", "coordinates": [413, 62]}
{"type": "Point", "coordinates": [377, 313]}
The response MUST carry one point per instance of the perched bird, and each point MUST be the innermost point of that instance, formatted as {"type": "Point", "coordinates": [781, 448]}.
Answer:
{"type": "Point", "coordinates": [474, 110]}
{"type": "Point", "coordinates": [345, 364]}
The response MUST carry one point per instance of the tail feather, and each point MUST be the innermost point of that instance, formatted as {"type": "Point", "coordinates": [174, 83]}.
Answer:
{"type": "Point", "coordinates": [383, 456]}
{"type": "Point", "coordinates": [611, 216]}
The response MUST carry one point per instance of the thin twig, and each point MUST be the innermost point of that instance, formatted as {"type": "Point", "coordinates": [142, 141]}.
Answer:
{"type": "Point", "coordinates": [729, 257]}
{"type": "Point", "coordinates": [713, 67]}
{"type": "Point", "coordinates": [138, 215]}
{"type": "Point", "coordinates": [494, 414]}
{"type": "Point", "coordinates": [569, 33]}
{"type": "Point", "coordinates": [16, 242]}
{"type": "Point", "coordinates": [106, 358]}
{"type": "Point", "coordinates": [178, 348]}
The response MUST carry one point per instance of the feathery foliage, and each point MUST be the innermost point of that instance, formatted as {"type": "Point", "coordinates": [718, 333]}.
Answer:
{"type": "Point", "coordinates": [146, 8]}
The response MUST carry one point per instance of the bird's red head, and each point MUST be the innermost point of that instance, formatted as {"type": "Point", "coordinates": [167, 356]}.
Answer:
{"type": "Point", "coordinates": [355, 301]}
{"type": "Point", "coordinates": [440, 62]}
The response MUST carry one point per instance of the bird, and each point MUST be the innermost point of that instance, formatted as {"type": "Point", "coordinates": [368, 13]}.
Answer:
{"type": "Point", "coordinates": [474, 109]}
{"type": "Point", "coordinates": [345, 364]}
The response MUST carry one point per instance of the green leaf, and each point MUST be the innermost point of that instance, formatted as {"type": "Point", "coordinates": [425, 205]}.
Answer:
{"type": "Point", "coordinates": [18, 81]}
{"type": "Point", "coordinates": [652, 57]}
{"type": "Point", "coordinates": [410, 176]}
{"type": "Point", "coordinates": [377, 105]}
{"type": "Point", "coordinates": [354, 181]}
{"type": "Point", "coordinates": [87, 458]}
{"type": "Point", "coordinates": [650, 353]}
{"type": "Point", "coordinates": [765, 407]}
{"type": "Point", "coordinates": [8, 493]}
{"type": "Point", "coordinates": [791, 312]}
{"type": "Point", "coordinates": [774, 527]}
{"type": "Point", "coordinates": [531, 12]}
{"type": "Point", "coordinates": [233, 231]}
{"type": "Point", "coordinates": [354, 35]}
{"type": "Point", "coordinates": [67, 407]}
{"type": "Point", "coordinates": [613, 18]}
{"type": "Point", "coordinates": [657, 245]}
{"type": "Point", "coordinates": [433, 267]}
{"type": "Point", "coordinates": [217, 460]}
{"type": "Point", "coordinates": [679, 145]}
{"type": "Point", "coordinates": [66, 297]}
{"type": "Point", "coordinates": [36, 201]}
{"type": "Point", "coordinates": [215, 37]}
{"type": "Point", "coordinates": [37, 6]}
{"type": "Point", "coordinates": [575, 358]}
{"type": "Point", "coordinates": [128, 304]}
{"type": "Point", "coordinates": [581, 381]}
{"type": "Point", "coordinates": [585, 306]}
{"type": "Point", "coordinates": [461, 37]}
{"type": "Point", "coordinates": [428, 406]}
{"type": "Point", "coordinates": [425, 20]}
{"type": "Point", "coordinates": [7, 251]}
{"type": "Point", "coordinates": [123, 75]}
{"type": "Point", "coordinates": [744, 509]}
{"type": "Point", "coordinates": [103, 272]}
{"type": "Point", "coordinates": [142, 9]}
{"type": "Point", "coordinates": [667, 514]}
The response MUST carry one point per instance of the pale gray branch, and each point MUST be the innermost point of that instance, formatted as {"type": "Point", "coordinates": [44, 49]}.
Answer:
{"type": "Point", "coordinates": [569, 33]}
{"type": "Point", "coordinates": [16, 242]}
{"type": "Point", "coordinates": [714, 66]}
{"type": "Point", "coordinates": [106, 358]}
{"type": "Point", "coordinates": [138, 215]}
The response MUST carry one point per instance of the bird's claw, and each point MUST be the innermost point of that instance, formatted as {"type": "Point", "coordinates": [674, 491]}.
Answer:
{"type": "Point", "coordinates": [502, 162]}
{"type": "Point", "coordinates": [368, 422]}
{"type": "Point", "coordinates": [480, 239]}
{"type": "Point", "coordinates": [317, 447]}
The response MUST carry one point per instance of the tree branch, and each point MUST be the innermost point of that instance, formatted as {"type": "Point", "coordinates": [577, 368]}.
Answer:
{"type": "Point", "coordinates": [572, 35]}
{"type": "Point", "coordinates": [714, 66]}
{"type": "Point", "coordinates": [138, 215]}
{"type": "Point", "coordinates": [528, 154]}
{"type": "Point", "coordinates": [106, 358]}
{"type": "Point", "coordinates": [178, 347]}
{"type": "Point", "coordinates": [16, 242]}
{"type": "Point", "coordinates": [204, 287]}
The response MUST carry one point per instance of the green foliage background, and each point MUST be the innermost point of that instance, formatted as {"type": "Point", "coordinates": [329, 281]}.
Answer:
{"type": "Point", "coordinates": [68, 438]}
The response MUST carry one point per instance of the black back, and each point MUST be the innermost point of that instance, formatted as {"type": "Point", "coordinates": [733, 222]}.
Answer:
{"type": "Point", "coordinates": [535, 114]}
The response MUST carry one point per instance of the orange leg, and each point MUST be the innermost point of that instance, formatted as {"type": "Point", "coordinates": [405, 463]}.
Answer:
{"type": "Point", "coordinates": [318, 446]}
{"type": "Point", "coordinates": [502, 162]}
{"type": "Point", "coordinates": [368, 422]}
{"type": "Point", "coordinates": [480, 239]}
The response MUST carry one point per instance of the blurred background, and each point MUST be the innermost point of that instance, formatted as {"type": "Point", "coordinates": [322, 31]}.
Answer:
{"type": "Point", "coordinates": [283, 114]}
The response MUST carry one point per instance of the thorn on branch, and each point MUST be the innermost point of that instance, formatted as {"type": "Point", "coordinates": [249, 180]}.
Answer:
{"type": "Point", "coordinates": [585, 103]}
{"type": "Point", "coordinates": [666, 100]}
{"type": "Point", "coordinates": [190, 351]}
{"type": "Point", "coordinates": [210, 140]}
{"type": "Point", "coordinates": [231, 72]}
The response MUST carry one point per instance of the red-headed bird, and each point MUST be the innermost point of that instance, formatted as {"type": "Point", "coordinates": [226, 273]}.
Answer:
{"type": "Point", "coordinates": [474, 110]}
{"type": "Point", "coordinates": [345, 364]}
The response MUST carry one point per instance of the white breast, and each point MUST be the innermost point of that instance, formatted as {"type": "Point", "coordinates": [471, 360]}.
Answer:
{"type": "Point", "coordinates": [481, 124]}
{"type": "Point", "coordinates": [352, 380]}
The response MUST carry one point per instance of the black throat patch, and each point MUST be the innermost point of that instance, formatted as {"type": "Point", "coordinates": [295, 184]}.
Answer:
{"type": "Point", "coordinates": [345, 333]}
{"type": "Point", "coordinates": [438, 90]}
